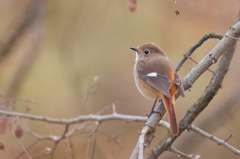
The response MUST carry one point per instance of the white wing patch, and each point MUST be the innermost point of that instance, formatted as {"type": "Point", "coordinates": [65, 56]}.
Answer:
{"type": "Point", "coordinates": [152, 74]}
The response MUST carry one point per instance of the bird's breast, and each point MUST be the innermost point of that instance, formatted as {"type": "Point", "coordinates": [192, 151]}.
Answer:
{"type": "Point", "coordinates": [145, 89]}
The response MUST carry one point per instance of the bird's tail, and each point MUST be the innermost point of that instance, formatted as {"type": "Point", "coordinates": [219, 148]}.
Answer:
{"type": "Point", "coordinates": [169, 105]}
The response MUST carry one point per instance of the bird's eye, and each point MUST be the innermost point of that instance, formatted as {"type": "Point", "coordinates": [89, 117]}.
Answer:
{"type": "Point", "coordinates": [146, 52]}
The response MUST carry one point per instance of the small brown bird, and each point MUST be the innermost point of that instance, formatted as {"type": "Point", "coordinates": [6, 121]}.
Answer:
{"type": "Point", "coordinates": [155, 77]}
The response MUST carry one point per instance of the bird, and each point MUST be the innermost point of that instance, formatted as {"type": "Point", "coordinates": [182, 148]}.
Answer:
{"type": "Point", "coordinates": [156, 78]}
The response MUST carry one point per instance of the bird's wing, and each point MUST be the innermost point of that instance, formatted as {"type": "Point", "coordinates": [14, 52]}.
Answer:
{"type": "Point", "coordinates": [158, 81]}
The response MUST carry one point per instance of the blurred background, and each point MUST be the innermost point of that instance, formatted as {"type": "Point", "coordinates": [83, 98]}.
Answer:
{"type": "Point", "coordinates": [50, 51]}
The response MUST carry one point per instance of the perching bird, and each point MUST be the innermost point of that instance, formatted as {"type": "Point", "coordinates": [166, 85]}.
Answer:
{"type": "Point", "coordinates": [155, 78]}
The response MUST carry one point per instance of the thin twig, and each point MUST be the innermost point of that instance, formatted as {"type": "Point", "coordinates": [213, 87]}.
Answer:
{"type": "Point", "coordinates": [215, 139]}
{"type": "Point", "coordinates": [72, 149]}
{"type": "Point", "coordinates": [189, 57]}
{"type": "Point", "coordinates": [34, 143]}
{"type": "Point", "coordinates": [95, 85]}
{"type": "Point", "coordinates": [20, 142]}
{"type": "Point", "coordinates": [229, 137]}
{"type": "Point", "coordinates": [66, 146]}
{"type": "Point", "coordinates": [232, 37]}
{"type": "Point", "coordinates": [113, 138]}
{"type": "Point", "coordinates": [57, 139]}
{"type": "Point", "coordinates": [53, 148]}
{"type": "Point", "coordinates": [182, 155]}
{"type": "Point", "coordinates": [65, 131]}
{"type": "Point", "coordinates": [86, 123]}
{"type": "Point", "coordinates": [95, 138]}
{"type": "Point", "coordinates": [88, 146]}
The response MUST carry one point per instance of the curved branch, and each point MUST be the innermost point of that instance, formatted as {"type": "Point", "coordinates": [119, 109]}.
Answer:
{"type": "Point", "coordinates": [197, 45]}
{"type": "Point", "coordinates": [226, 45]}
{"type": "Point", "coordinates": [149, 128]}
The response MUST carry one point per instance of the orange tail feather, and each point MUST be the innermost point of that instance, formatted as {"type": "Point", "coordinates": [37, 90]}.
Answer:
{"type": "Point", "coordinates": [169, 105]}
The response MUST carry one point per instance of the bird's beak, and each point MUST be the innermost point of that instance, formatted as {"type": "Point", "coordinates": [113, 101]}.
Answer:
{"type": "Point", "coordinates": [133, 48]}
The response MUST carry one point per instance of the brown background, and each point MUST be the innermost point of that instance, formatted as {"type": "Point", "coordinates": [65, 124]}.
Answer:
{"type": "Point", "coordinates": [82, 39]}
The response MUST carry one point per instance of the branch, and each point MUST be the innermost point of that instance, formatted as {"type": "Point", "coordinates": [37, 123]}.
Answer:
{"type": "Point", "coordinates": [79, 119]}
{"type": "Point", "coordinates": [66, 147]}
{"type": "Point", "coordinates": [95, 138]}
{"type": "Point", "coordinates": [27, 148]}
{"type": "Point", "coordinates": [72, 149]}
{"type": "Point", "coordinates": [88, 145]}
{"type": "Point", "coordinates": [84, 118]}
{"type": "Point", "coordinates": [149, 128]}
{"type": "Point", "coordinates": [56, 139]}
{"type": "Point", "coordinates": [67, 122]}
{"type": "Point", "coordinates": [197, 45]}
{"type": "Point", "coordinates": [183, 155]}
{"type": "Point", "coordinates": [226, 45]}
{"type": "Point", "coordinates": [215, 139]}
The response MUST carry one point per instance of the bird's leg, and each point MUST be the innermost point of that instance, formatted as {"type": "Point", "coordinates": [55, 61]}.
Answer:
{"type": "Point", "coordinates": [152, 110]}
